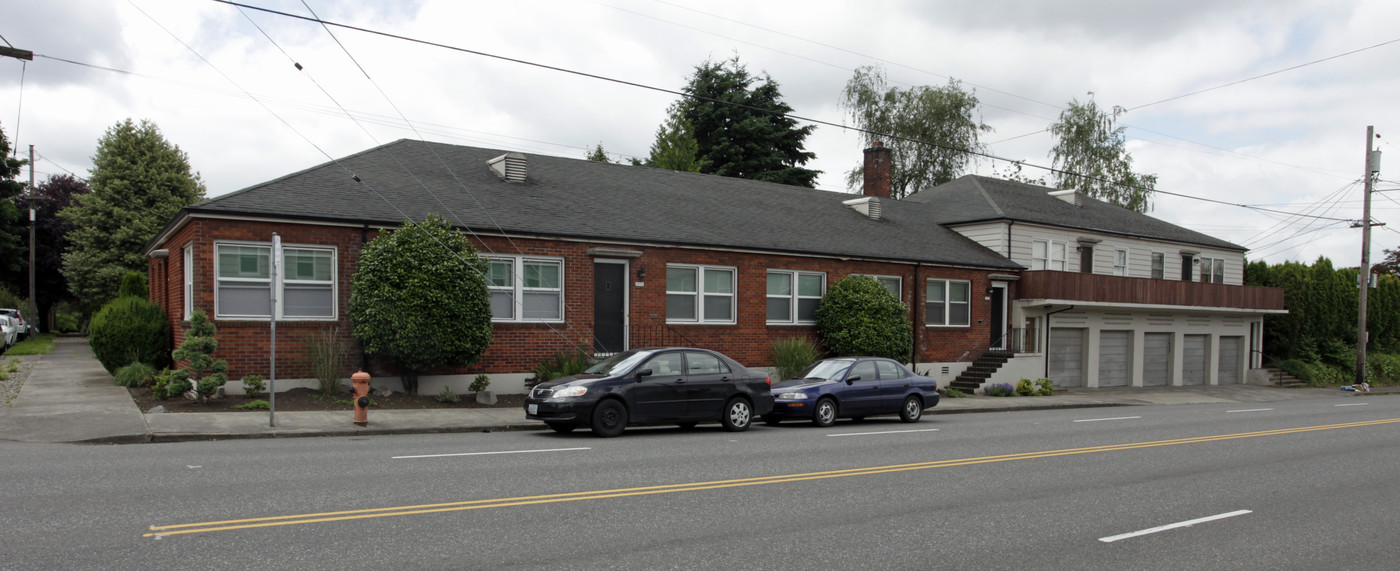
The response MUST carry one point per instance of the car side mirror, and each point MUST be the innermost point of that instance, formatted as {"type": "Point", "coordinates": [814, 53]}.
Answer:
{"type": "Point", "coordinates": [643, 373]}
{"type": "Point", "coordinates": [852, 379]}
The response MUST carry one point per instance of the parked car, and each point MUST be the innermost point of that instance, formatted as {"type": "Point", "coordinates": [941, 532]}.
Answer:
{"type": "Point", "coordinates": [852, 387]}
{"type": "Point", "coordinates": [24, 325]}
{"type": "Point", "coordinates": [9, 332]}
{"type": "Point", "coordinates": [674, 385]}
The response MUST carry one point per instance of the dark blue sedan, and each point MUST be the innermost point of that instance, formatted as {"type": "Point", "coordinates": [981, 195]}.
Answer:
{"type": "Point", "coordinates": [852, 387]}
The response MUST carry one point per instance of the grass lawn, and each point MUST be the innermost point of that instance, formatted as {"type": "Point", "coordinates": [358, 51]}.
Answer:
{"type": "Point", "coordinates": [41, 345]}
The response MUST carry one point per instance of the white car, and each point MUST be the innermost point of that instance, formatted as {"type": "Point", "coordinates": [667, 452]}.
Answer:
{"type": "Point", "coordinates": [9, 331]}
{"type": "Point", "coordinates": [24, 325]}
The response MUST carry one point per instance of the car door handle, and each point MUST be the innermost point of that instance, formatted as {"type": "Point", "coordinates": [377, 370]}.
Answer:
{"type": "Point", "coordinates": [724, 379]}
{"type": "Point", "coordinates": [680, 381]}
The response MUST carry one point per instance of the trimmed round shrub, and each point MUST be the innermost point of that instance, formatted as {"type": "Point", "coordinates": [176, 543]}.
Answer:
{"type": "Point", "coordinates": [859, 316]}
{"type": "Point", "coordinates": [129, 330]}
{"type": "Point", "coordinates": [134, 375]}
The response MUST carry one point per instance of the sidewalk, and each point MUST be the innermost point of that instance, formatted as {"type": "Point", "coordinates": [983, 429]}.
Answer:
{"type": "Point", "coordinates": [69, 398]}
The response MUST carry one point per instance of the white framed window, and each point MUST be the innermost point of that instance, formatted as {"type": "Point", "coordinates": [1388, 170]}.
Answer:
{"type": "Point", "coordinates": [948, 303]}
{"type": "Point", "coordinates": [188, 268]}
{"type": "Point", "coordinates": [699, 294]}
{"type": "Point", "coordinates": [1048, 255]}
{"type": "Point", "coordinates": [1212, 270]}
{"type": "Point", "coordinates": [525, 288]}
{"type": "Point", "coordinates": [1159, 265]}
{"type": "Point", "coordinates": [243, 282]}
{"type": "Point", "coordinates": [793, 296]}
{"type": "Point", "coordinates": [1120, 262]}
{"type": "Point", "coordinates": [894, 284]}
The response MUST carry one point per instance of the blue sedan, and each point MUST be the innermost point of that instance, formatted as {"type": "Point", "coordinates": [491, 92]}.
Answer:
{"type": "Point", "coordinates": [852, 387]}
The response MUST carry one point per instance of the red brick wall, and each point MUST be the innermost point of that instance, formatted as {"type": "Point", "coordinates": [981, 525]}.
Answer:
{"type": "Point", "coordinates": [518, 346]}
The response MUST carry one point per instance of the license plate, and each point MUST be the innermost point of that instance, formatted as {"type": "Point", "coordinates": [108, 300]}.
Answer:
{"type": "Point", "coordinates": [532, 408]}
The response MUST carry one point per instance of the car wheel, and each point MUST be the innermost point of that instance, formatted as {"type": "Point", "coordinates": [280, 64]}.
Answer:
{"type": "Point", "coordinates": [560, 428]}
{"type": "Point", "coordinates": [686, 425]}
{"type": "Point", "coordinates": [912, 410]}
{"type": "Point", "coordinates": [609, 419]}
{"type": "Point", "coordinates": [771, 420]}
{"type": "Point", "coordinates": [738, 415]}
{"type": "Point", "coordinates": [825, 413]}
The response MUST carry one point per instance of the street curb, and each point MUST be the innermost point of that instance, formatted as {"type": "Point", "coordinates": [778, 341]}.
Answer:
{"type": "Point", "coordinates": [1028, 408]}
{"type": "Point", "coordinates": [201, 437]}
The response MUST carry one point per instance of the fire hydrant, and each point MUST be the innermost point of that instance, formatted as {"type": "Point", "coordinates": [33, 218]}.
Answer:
{"type": "Point", "coordinates": [361, 382]}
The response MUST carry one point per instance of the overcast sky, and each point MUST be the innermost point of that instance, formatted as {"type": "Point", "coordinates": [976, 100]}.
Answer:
{"type": "Point", "coordinates": [1292, 141]}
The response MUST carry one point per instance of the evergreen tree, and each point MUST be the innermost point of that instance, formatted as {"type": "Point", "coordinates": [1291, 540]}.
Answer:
{"type": "Point", "coordinates": [933, 127]}
{"type": "Point", "coordinates": [675, 147]}
{"type": "Point", "coordinates": [741, 127]}
{"type": "Point", "coordinates": [14, 228]}
{"type": "Point", "coordinates": [598, 155]}
{"type": "Point", "coordinates": [139, 182]}
{"type": "Point", "coordinates": [1090, 156]}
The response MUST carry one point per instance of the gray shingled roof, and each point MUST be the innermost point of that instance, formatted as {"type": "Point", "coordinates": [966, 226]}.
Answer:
{"type": "Point", "coordinates": [975, 198]}
{"type": "Point", "coordinates": [584, 199]}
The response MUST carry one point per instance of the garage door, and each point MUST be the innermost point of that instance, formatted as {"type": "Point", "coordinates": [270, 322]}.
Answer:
{"type": "Point", "coordinates": [1156, 359]}
{"type": "Point", "coordinates": [1067, 357]}
{"type": "Point", "coordinates": [1194, 359]}
{"type": "Point", "coordinates": [1115, 358]}
{"type": "Point", "coordinates": [1229, 366]}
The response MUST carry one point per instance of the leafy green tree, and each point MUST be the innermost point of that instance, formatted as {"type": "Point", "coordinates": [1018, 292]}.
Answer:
{"type": "Point", "coordinates": [1390, 264]}
{"type": "Point", "coordinates": [675, 147]}
{"type": "Point", "coordinates": [933, 129]}
{"type": "Point", "coordinates": [51, 239]}
{"type": "Point", "coordinates": [599, 155]}
{"type": "Point", "coordinates": [419, 299]}
{"type": "Point", "coordinates": [197, 352]}
{"type": "Point", "coordinates": [14, 230]}
{"type": "Point", "coordinates": [859, 316]}
{"type": "Point", "coordinates": [741, 126]}
{"type": "Point", "coordinates": [1090, 155]}
{"type": "Point", "coordinates": [139, 182]}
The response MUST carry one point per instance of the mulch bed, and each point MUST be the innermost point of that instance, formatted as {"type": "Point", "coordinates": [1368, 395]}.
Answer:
{"type": "Point", "coordinates": [303, 399]}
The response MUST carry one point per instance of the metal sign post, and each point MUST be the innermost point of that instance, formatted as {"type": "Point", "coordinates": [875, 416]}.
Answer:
{"type": "Point", "coordinates": [272, 319]}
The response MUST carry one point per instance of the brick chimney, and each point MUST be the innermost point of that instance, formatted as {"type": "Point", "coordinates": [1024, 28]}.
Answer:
{"type": "Point", "coordinates": [877, 171]}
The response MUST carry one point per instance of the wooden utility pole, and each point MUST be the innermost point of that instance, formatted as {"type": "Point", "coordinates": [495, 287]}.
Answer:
{"type": "Point", "coordinates": [1373, 166]}
{"type": "Point", "coordinates": [33, 205]}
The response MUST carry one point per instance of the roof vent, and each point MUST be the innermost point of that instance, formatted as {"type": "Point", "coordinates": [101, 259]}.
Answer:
{"type": "Point", "coordinates": [1070, 196]}
{"type": "Point", "coordinates": [510, 167]}
{"type": "Point", "coordinates": [866, 205]}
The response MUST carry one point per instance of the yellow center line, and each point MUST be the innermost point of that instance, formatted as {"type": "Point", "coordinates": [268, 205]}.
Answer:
{"type": "Point", "coordinates": [228, 525]}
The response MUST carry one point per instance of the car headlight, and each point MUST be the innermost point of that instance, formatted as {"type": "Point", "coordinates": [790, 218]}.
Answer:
{"type": "Point", "coordinates": [793, 396]}
{"type": "Point", "coordinates": [569, 392]}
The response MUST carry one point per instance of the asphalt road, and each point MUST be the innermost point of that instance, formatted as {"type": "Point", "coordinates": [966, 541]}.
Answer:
{"type": "Point", "coordinates": [1296, 484]}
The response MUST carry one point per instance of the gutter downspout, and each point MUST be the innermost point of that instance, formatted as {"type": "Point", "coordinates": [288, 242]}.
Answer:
{"type": "Point", "coordinates": [364, 237]}
{"type": "Point", "coordinates": [1047, 338]}
{"type": "Point", "coordinates": [914, 309]}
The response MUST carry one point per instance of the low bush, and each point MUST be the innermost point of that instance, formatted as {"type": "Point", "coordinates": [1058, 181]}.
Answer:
{"type": "Point", "coordinates": [129, 330]}
{"type": "Point", "coordinates": [562, 364]}
{"type": "Point", "coordinates": [955, 393]}
{"type": "Point", "coordinates": [479, 383]}
{"type": "Point", "coordinates": [170, 383]}
{"type": "Point", "coordinates": [197, 351]}
{"type": "Point", "coordinates": [1044, 387]}
{"type": "Point", "coordinates": [254, 386]}
{"type": "Point", "coordinates": [999, 390]}
{"type": "Point", "coordinates": [327, 353]}
{"type": "Point", "coordinates": [253, 405]}
{"type": "Point", "coordinates": [1024, 387]}
{"type": "Point", "coordinates": [1383, 368]}
{"type": "Point", "coordinates": [134, 375]}
{"type": "Point", "coordinates": [446, 395]}
{"type": "Point", "coordinates": [791, 355]}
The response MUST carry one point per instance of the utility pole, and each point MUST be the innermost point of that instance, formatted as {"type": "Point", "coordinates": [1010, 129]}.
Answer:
{"type": "Point", "coordinates": [1373, 166]}
{"type": "Point", "coordinates": [33, 204]}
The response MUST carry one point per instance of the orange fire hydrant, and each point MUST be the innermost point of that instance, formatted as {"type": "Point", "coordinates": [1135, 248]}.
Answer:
{"type": "Point", "coordinates": [361, 382]}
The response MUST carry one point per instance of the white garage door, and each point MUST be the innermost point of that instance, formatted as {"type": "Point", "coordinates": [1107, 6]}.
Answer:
{"type": "Point", "coordinates": [1194, 359]}
{"type": "Point", "coordinates": [1229, 366]}
{"type": "Point", "coordinates": [1115, 358]}
{"type": "Point", "coordinates": [1067, 357]}
{"type": "Point", "coordinates": [1156, 359]}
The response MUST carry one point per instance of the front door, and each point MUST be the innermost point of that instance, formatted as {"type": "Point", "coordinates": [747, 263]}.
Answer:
{"type": "Point", "coordinates": [1086, 259]}
{"type": "Point", "coordinates": [998, 317]}
{"type": "Point", "coordinates": [609, 287]}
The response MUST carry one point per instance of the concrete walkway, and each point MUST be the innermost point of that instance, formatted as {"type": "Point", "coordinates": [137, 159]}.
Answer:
{"type": "Point", "coordinates": [70, 398]}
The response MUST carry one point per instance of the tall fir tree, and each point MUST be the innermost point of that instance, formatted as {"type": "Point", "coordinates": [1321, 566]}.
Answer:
{"type": "Point", "coordinates": [675, 147]}
{"type": "Point", "coordinates": [14, 228]}
{"type": "Point", "coordinates": [139, 181]}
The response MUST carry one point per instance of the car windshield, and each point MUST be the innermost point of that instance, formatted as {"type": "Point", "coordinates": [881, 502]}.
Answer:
{"type": "Point", "coordinates": [831, 370]}
{"type": "Point", "coordinates": [618, 363]}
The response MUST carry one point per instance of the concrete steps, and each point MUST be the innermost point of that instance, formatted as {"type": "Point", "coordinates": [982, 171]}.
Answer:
{"type": "Point", "coordinates": [1283, 379]}
{"type": "Point", "coordinates": [982, 369]}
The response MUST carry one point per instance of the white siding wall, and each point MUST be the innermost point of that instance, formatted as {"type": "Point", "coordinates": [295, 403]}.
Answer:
{"type": "Point", "coordinates": [1139, 250]}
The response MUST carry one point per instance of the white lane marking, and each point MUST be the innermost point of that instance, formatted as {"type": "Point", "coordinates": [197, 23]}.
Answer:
{"type": "Point", "coordinates": [1250, 410]}
{"type": "Point", "coordinates": [1114, 418]}
{"type": "Point", "coordinates": [884, 432]}
{"type": "Point", "coordinates": [1151, 530]}
{"type": "Point", "coordinates": [1353, 404]}
{"type": "Point", "coordinates": [490, 453]}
